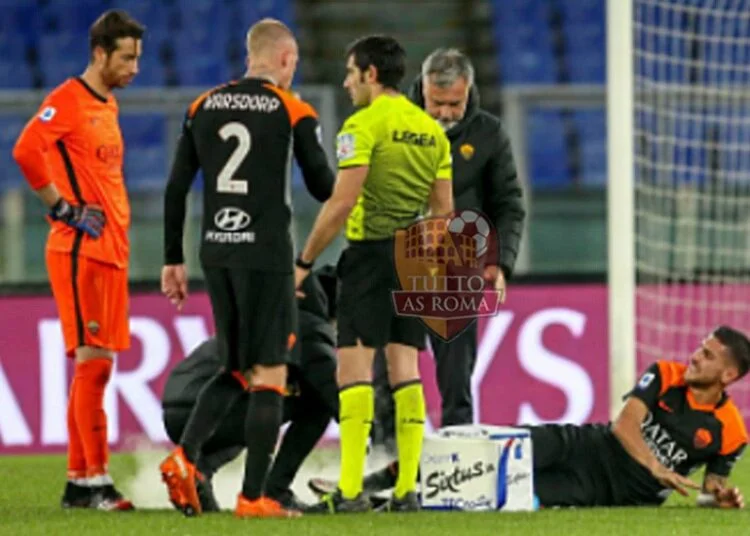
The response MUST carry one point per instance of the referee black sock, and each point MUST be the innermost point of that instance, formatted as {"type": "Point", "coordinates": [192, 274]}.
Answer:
{"type": "Point", "coordinates": [310, 422]}
{"type": "Point", "coordinates": [214, 401]}
{"type": "Point", "coordinates": [262, 425]}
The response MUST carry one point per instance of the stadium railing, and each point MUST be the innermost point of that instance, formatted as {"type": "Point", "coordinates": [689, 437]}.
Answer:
{"type": "Point", "coordinates": [572, 212]}
{"type": "Point", "coordinates": [159, 112]}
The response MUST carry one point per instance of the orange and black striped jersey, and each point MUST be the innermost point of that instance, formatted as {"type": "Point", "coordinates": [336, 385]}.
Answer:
{"type": "Point", "coordinates": [242, 136]}
{"type": "Point", "coordinates": [683, 434]}
{"type": "Point", "coordinates": [74, 141]}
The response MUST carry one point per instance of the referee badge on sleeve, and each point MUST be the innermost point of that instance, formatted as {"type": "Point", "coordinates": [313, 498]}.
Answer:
{"type": "Point", "coordinates": [344, 146]}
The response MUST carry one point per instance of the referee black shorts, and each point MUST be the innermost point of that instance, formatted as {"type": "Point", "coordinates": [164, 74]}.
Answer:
{"type": "Point", "coordinates": [367, 279]}
{"type": "Point", "coordinates": [255, 314]}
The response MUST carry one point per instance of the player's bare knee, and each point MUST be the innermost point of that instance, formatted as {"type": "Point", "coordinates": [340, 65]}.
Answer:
{"type": "Point", "coordinates": [355, 364]}
{"type": "Point", "coordinates": [403, 363]}
{"type": "Point", "coordinates": [263, 375]}
{"type": "Point", "coordinates": [87, 353]}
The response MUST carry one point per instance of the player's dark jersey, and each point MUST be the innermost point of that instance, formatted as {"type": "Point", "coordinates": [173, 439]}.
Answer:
{"type": "Point", "coordinates": [682, 434]}
{"type": "Point", "coordinates": [242, 136]}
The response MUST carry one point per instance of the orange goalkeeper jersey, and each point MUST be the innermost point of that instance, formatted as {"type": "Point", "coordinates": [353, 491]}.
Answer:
{"type": "Point", "coordinates": [74, 141]}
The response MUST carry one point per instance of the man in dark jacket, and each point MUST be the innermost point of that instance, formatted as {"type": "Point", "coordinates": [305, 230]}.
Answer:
{"type": "Point", "coordinates": [311, 402]}
{"type": "Point", "coordinates": [484, 179]}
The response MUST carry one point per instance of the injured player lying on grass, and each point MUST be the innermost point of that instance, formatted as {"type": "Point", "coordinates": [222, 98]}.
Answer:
{"type": "Point", "coordinates": [676, 419]}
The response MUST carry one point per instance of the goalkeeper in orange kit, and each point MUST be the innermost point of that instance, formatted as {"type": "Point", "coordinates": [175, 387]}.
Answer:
{"type": "Point", "coordinates": [71, 153]}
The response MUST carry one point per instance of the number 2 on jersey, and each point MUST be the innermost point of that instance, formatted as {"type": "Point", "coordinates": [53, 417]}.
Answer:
{"type": "Point", "coordinates": [225, 181]}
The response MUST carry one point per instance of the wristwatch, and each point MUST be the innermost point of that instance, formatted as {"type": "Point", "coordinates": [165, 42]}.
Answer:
{"type": "Point", "coordinates": [302, 264]}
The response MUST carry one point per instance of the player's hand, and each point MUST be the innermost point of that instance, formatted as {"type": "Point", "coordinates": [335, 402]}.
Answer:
{"type": "Point", "coordinates": [729, 498]}
{"type": "Point", "coordinates": [493, 274]}
{"type": "Point", "coordinates": [87, 218]}
{"type": "Point", "coordinates": [174, 284]}
{"type": "Point", "coordinates": [670, 479]}
{"type": "Point", "coordinates": [299, 277]}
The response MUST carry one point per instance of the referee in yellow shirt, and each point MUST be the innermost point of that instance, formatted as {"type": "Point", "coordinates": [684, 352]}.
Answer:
{"type": "Point", "coordinates": [394, 163]}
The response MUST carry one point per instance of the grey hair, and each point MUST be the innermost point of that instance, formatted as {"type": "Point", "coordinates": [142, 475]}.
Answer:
{"type": "Point", "coordinates": [446, 65]}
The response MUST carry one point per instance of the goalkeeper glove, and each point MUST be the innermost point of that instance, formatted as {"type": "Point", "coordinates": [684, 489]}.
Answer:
{"type": "Point", "coordinates": [87, 218]}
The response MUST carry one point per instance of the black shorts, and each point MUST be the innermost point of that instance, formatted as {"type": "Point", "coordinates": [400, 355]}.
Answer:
{"type": "Point", "coordinates": [571, 465]}
{"type": "Point", "coordinates": [255, 314]}
{"type": "Point", "coordinates": [367, 279]}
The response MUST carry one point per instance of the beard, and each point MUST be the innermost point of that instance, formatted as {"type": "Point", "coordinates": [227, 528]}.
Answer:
{"type": "Point", "coordinates": [447, 125]}
{"type": "Point", "coordinates": [109, 79]}
{"type": "Point", "coordinates": [699, 383]}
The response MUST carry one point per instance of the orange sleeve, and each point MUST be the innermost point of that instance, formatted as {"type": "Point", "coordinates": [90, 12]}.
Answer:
{"type": "Point", "coordinates": [57, 117]}
{"type": "Point", "coordinates": [193, 108]}
{"type": "Point", "coordinates": [297, 108]}
{"type": "Point", "coordinates": [671, 374]}
{"type": "Point", "coordinates": [733, 432]}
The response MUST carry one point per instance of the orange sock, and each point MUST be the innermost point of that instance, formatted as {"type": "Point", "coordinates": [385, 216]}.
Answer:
{"type": "Point", "coordinates": [92, 377]}
{"type": "Point", "coordinates": [76, 459]}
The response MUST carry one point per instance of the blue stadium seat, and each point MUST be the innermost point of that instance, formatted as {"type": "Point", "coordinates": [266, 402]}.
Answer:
{"type": "Point", "coordinates": [584, 11]}
{"type": "Point", "coordinates": [198, 15]}
{"type": "Point", "coordinates": [278, 9]}
{"type": "Point", "coordinates": [201, 43]}
{"type": "Point", "coordinates": [547, 153]}
{"type": "Point", "coordinates": [243, 14]}
{"type": "Point", "coordinates": [150, 13]}
{"type": "Point", "coordinates": [146, 157]}
{"type": "Point", "coordinates": [667, 51]}
{"type": "Point", "coordinates": [57, 30]}
{"type": "Point", "coordinates": [65, 46]}
{"type": "Point", "coordinates": [56, 72]}
{"type": "Point", "coordinates": [150, 71]}
{"type": "Point", "coordinates": [146, 168]}
{"type": "Point", "coordinates": [142, 130]}
{"type": "Point", "coordinates": [75, 17]}
{"type": "Point", "coordinates": [21, 18]}
{"type": "Point", "coordinates": [732, 147]}
{"type": "Point", "coordinates": [523, 37]}
{"type": "Point", "coordinates": [13, 46]}
{"type": "Point", "coordinates": [586, 48]}
{"type": "Point", "coordinates": [592, 128]}
{"type": "Point", "coordinates": [203, 71]}
{"type": "Point", "coordinates": [15, 75]}
{"type": "Point", "coordinates": [690, 138]}
{"type": "Point", "coordinates": [587, 70]}
{"type": "Point", "coordinates": [527, 67]}
{"type": "Point", "coordinates": [201, 58]}
{"type": "Point", "coordinates": [515, 11]}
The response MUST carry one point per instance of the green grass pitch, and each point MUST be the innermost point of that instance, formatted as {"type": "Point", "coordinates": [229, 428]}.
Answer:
{"type": "Point", "coordinates": [31, 486]}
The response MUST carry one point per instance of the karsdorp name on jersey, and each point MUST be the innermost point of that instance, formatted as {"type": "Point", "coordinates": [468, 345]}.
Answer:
{"type": "Point", "coordinates": [242, 101]}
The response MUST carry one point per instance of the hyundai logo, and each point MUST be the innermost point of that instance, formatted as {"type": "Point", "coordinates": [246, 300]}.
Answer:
{"type": "Point", "coordinates": [231, 219]}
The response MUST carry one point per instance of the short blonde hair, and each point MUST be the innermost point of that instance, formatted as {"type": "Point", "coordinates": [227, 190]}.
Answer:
{"type": "Point", "coordinates": [265, 34]}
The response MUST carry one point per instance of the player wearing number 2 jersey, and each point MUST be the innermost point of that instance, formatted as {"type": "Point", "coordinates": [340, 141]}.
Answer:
{"type": "Point", "coordinates": [242, 135]}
